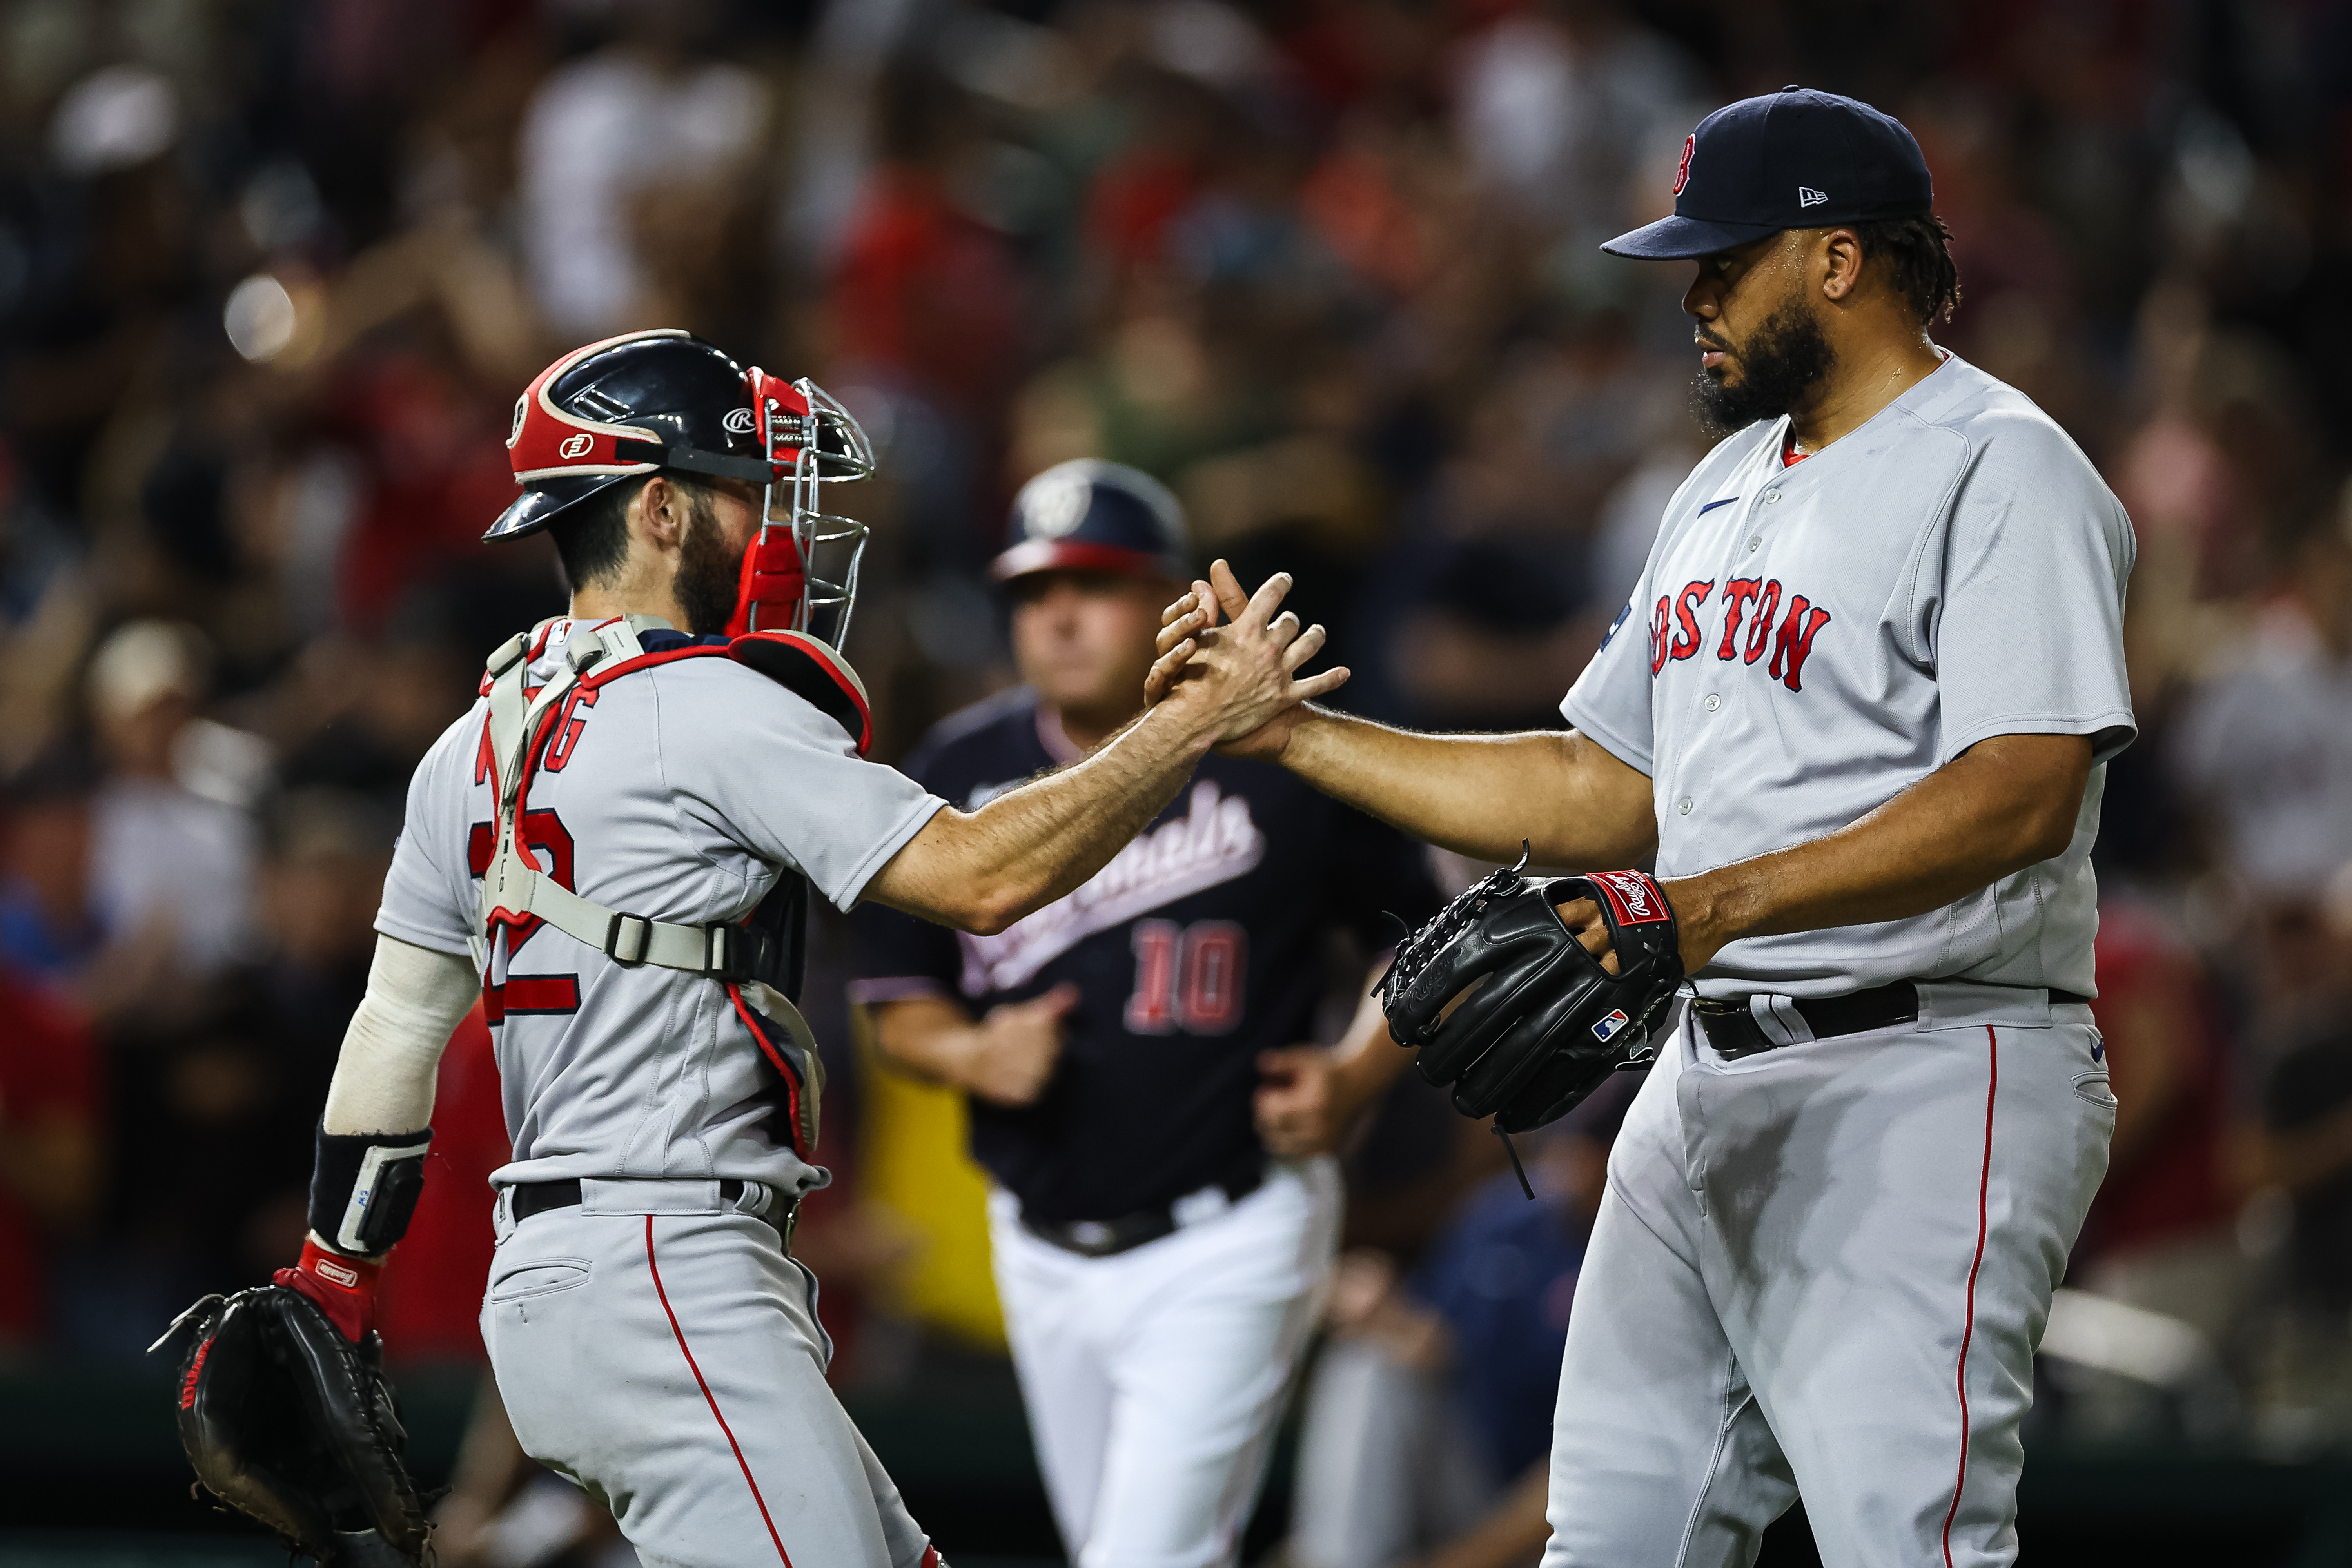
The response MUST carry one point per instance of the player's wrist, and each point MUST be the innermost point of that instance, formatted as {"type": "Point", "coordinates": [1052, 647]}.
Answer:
{"type": "Point", "coordinates": [1703, 921]}
{"type": "Point", "coordinates": [1180, 728]}
{"type": "Point", "coordinates": [343, 1286]}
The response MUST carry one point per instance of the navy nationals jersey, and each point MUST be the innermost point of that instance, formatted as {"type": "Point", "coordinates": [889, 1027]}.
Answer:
{"type": "Point", "coordinates": [1200, 944]}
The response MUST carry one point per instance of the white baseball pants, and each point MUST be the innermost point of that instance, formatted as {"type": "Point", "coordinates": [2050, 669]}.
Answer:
{"type": "Point", "coordinates": [1823, 1270]}
{"type": "Point", "coordinates": [672, 1364]}
{"type": "Point", "coordinates": [1154, 1377]}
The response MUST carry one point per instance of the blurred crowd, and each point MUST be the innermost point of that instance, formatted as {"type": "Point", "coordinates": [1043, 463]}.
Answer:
{"type": "Point", "coordinates": [272, 272]}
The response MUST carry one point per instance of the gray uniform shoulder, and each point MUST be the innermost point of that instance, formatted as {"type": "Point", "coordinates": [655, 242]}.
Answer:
{"type": "Point", "coordinates": [1999, 422]}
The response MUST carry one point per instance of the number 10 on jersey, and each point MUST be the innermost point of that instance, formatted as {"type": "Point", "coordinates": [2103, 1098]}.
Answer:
{"type": "Point", "coordinates": [1187, 977]}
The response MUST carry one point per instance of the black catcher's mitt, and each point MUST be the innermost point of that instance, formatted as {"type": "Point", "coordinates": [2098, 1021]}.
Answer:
{"type": "Point", "coordinates": [1549, 1022]}
{"type": "Point", "coordinates": [289, 1422]}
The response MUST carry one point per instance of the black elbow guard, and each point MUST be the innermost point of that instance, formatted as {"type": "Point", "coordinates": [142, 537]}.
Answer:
{"type": "Point", "coordinates": [364, 1188]}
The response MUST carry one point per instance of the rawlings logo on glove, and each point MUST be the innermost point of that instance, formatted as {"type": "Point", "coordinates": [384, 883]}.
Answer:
{"type": "Point", "coordinates": [1549, 1022]}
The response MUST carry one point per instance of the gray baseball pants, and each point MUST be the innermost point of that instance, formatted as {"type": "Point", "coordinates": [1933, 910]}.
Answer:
{"type": "Point", "coordinates": [1823, 1270]}
{"type": "Point", "coordinates": [672, 1364]}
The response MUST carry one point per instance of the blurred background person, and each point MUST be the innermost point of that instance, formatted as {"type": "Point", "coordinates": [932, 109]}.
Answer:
{"type": "Point", "coordinates": [1165, 1208]}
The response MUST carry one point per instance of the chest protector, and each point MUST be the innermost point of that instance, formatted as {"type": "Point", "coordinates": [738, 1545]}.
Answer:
{"type": "Point", "coordinates": [758, 959]}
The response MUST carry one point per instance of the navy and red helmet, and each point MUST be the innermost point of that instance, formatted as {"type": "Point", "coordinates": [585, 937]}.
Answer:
{"type": "Point", "coordinates": [628, 405]}
{"type": "Point", "coordinates": [664, 399]}
{"type": "Point", "coordinates": [1087, 515]}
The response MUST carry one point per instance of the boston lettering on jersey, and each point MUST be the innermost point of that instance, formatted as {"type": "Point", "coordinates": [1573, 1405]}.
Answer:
{"type": "Point", "coordinates": [1675, 632]}
{"type": "Point", "coordinates": [1202, 943]}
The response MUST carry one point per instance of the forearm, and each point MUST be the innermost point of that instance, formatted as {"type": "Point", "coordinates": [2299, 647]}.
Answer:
{"type": "Point", "coordinates": [983, 871]}
{"type": "Point", "coordinates": [1480, 795]}
{"type": "Point", "coordinates": [1366, 1059]}
{"type": "Point", "coordinates": [383, 1077]}
{"type": "Point", "coordinates": [1986, 815]}
{"type": "Point", "coordinates": [929, 1036]}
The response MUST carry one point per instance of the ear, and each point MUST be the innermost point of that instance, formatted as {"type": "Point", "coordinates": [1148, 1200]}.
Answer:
{"type": "Point", "coordinates": [1840, 258]}
{"type": "Point", "coordinates": [658, 513]}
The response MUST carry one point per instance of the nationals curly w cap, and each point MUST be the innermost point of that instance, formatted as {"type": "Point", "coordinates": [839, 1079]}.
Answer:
{"type": "Point", "coordinates": [1797, 158]}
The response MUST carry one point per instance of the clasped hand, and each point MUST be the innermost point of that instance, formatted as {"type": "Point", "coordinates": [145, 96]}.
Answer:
{"type": "Point", "coordinates": [1233, 653]}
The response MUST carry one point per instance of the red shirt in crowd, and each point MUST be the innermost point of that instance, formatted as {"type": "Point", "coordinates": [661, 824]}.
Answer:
{"type": "Point", "coordinates": [2166, 1181]}
{"type": "Point", "coordinates": [48, 1085]}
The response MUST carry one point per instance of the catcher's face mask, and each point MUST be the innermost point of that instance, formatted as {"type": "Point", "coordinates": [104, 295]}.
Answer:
{"type": "Point", "coordinates": [800, 573]}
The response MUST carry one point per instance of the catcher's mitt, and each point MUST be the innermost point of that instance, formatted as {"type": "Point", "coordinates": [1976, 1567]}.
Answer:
{"type": "Point", "coordinates": [1548, 1023]}
{"type": "Point", "coordinates": [288, 1421]}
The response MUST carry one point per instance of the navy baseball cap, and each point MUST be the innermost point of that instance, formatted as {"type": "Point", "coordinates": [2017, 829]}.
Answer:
{"type": "Point", "coordinates": [1790, 159]}
{"type": "Point", "coordinates": [1091, 516]}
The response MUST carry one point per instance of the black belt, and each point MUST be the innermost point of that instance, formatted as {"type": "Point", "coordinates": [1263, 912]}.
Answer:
{"type": "Point", "coordinates": [1102, 1237]}
{"type": "Point", "coordinates": [1733, 1031]}
{"type": "Point", "coordinates": [537, 1197]}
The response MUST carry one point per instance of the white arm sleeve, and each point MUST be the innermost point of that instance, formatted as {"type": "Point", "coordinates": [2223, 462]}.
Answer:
{"type": "Point", "coordinates": [384, 1078]}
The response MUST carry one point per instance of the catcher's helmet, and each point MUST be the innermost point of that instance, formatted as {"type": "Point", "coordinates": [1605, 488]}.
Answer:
{"type": "Point", "coordinates": [1093, 516]}
{"type": "Point", "coordinates": [649, 401]}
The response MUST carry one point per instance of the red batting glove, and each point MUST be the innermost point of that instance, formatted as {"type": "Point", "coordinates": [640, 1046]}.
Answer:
{"type": "Point", "coordinates": [343, 1286]}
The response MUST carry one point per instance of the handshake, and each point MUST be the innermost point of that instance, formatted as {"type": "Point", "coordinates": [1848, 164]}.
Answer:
{"type": "Point", "coordinates": [1229, 662]}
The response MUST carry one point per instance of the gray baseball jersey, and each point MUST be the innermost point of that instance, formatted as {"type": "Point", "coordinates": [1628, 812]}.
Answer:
{"type": "Point", "coordinates": [675, 791]}
{"type": "Point", "coordinates": [1823, 634]}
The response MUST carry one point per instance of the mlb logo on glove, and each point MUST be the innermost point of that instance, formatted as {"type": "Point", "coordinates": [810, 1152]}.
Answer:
{"type": "Point", "coordinates": [1608, 1027]}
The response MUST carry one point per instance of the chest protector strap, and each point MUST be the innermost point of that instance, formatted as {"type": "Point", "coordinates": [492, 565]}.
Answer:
{"type": "Point", "coordinates": [753, 959]}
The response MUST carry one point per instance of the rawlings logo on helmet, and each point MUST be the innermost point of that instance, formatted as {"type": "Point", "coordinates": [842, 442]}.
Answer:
{"type": "Point", "coordinates": [738, 422]}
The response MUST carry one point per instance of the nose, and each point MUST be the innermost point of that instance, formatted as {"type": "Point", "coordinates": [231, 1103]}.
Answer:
{"type": "Point", "coordinates": [1703, 299]}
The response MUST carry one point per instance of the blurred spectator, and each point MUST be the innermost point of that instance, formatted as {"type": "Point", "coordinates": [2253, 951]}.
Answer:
{"type": "Point", "coordinates": [172, 848]}
{"type": "Point", "coordinates": [2161, 1234]}
{"type": "Point", "coordinates": [1429, 1413]}
{"type": "Point", "coordinates": [2266, 743]}
{"type": "Point", "coordinates": [46, 926]}
{"type": "Point", "coordinates": [649, 119]}
{"type": "Point", "coordinates": [50, 1146]}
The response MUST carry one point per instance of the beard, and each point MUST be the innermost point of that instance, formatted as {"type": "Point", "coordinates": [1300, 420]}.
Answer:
{"type": "Point", "coordinates": [1783, 358]}
{"type": "Point", "coordinates": [709, 575]}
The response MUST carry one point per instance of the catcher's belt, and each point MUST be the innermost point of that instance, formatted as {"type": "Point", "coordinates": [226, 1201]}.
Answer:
{"type": "Point", "coordinates": [540, 1197]}
{"type": "Point", "coordinates": [1740, 1026]}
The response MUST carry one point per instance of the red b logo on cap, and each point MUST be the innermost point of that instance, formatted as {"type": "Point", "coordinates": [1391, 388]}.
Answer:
{"type": "Point", "coordinates": [1682, 169]}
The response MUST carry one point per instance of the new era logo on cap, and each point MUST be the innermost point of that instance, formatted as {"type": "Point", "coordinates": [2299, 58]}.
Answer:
{"type": "Point", "coordinates": [1808, 197]}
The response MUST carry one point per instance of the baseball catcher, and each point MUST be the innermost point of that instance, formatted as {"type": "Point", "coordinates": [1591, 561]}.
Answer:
{"type": "Point", "coordinates": [1541, 1020]}
{"type": "Point", "coordinates": [613, 854]}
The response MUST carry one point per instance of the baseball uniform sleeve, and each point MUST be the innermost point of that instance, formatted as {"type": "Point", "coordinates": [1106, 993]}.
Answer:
{"type": "Point", "coordinates": [1610, 700]}
{"type": "Point", "coordinates": [2024, 627]}
{"type": "Point", "coordinates": [766, 770]}
{"type": "Point", "coordinates": [428, 895]}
